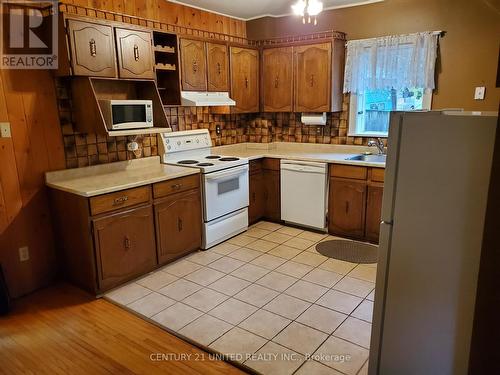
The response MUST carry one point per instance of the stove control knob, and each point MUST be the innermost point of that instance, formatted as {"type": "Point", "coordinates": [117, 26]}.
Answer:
{"type": "Point", "coordinates": [178, 143]}
{"type": "Point", "coordinates": [197, 141]}
{"type": "Point", "coordinates": [167, 141]}
{"type": "Point", "coordinates": [169, 147]}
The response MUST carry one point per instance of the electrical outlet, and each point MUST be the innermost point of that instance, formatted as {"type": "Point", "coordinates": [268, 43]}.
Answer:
{"type": "Point", "coordinates": [132, 146]}
{"type": "Point", "coordinates": [24, 254]}
{"type": "Point", "coordinates": [5, 130]}
{"type": "Point", "coordinates": [479, 93]}
{"type": "Point", "coordinates": [218, 131]}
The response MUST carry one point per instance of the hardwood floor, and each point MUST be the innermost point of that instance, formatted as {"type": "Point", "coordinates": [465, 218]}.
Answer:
{"type": "Point", "coordinates": [62, 330]}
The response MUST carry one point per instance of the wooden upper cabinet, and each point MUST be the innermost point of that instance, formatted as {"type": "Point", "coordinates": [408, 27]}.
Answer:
{"type": "Point", "coordinates": [245, 79]}
{"type": "Point", "coordinates": [218, 67]}
{"type": "Point", "coordinates": [313, 77]}
{"type": "Point", "coordinates": [135, 54]}
{"type": "Point", "coordinates": [92, 49]}
{"type": "Point", "coordinates": [277, 79]}
{"type": "Point", "coordinates": [193, 65]}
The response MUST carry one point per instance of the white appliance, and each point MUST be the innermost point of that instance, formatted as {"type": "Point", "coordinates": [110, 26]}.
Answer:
{"type": "Point", "coordinates": [435, 194]}
{"type": "Point", "coordinates": [224, 182]}
{"type": "Point", "coordinates": [304, 187]}
{"type": "Point", "coordinates": [204, 99]}
{"type": "Point", "coordinates": [127, 114]}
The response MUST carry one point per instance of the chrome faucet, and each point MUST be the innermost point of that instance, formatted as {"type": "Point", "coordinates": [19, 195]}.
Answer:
{"type": "Point", "coordinates": [379, 143]}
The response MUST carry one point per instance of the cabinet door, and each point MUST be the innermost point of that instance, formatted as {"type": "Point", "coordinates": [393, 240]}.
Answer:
{"type": "Point", "coordinates": [272, 195]}
{"type": "Point", "coordinates": [92, 49]}
{"type": "Point", "coordinates": [277, 79]}
{"type": "Point", "coordinates": [135, 54]}
{"type": "Point", "coordinates": [257, 197]}
{"type": "Point", "coordinates": [178, 225]}
{"type": "Point", "coordinates": [347, 207]}
{"type": "Point", "coordinates": [193, 65]}
{"type": "Point", "coordinates": [218, 67]}
{"type": "Point", "coordinates": [313, 77]}
{"type": "Point", "coordinates": [124, 245]}
{"type": "Point", "coordinates": [245, 79]}
{"type": "Point", "coordinates": [373, 211]}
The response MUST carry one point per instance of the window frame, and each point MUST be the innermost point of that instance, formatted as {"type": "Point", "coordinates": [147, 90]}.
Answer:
{"type": "Point", "coordinates": [352, 130]}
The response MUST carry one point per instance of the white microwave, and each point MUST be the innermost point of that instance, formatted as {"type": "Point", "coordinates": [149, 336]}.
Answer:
{"type": "Point", "coordinates": [127, 114]}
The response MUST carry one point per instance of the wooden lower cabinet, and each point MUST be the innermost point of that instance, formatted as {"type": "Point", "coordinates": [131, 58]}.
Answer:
{"type": "Point", "coordinates": [178, 225]}
{"type": "Point", "coordinates": [256, 187]}
{"type": "Point", "coordinates": [124, 245]}
{"type": "Point", "coordinates": [347, 207]}
{"type": "Point", "coordinates": [373, 211]}
{"type": "Point", "coordinates": [272, 195]}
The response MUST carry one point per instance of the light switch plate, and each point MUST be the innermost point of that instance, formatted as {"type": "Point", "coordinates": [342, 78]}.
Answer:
{"type": "Point", "coordinates": [24, 254]}
{"type": "Point", "coordinates": [5, 130]}
{"type": "Point", "coordinates": [479, 93]}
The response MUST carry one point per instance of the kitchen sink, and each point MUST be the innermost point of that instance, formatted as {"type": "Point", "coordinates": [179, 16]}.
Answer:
{"type": "Point", "coordinates": [368, 158]}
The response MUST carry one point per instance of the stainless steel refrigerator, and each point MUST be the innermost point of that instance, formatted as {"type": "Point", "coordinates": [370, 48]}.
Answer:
{"type": "Point", "coordinates": [435, 195]}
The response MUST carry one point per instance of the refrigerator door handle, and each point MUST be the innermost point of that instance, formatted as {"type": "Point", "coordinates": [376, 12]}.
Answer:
{"type": "Point", "coordinates": [388, 222]}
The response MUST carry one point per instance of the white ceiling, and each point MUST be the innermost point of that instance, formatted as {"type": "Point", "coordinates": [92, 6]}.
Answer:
{"type": "Point", "coordinates": [250, 9]}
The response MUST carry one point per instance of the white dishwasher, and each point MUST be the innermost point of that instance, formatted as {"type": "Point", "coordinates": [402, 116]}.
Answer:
{"type": "Point", "coordinates": [304, 187]}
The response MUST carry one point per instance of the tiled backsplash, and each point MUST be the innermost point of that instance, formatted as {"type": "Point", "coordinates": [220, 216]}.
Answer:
{"type": "Point", "coordinates": [89, 149]}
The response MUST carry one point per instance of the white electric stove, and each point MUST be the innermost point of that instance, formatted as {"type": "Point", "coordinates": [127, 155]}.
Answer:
{"type": "Point", "coordinates": [224, 182]}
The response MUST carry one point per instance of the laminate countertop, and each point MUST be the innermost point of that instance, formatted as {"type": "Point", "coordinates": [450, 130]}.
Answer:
{"type": "Point", "coordinates": [325, 153]}
{"type": "Point", "coordinates": [108, 178]}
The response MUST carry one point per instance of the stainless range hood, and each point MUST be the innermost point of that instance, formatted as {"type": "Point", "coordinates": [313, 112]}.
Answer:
{"type": "Point", "coordinates": [204, 99]}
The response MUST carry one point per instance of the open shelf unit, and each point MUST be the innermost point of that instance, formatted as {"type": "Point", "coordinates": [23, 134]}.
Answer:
{"type": "Point", "coordinates": [87, 91]}
{"type": "Point", "coordinates": [166, 53]}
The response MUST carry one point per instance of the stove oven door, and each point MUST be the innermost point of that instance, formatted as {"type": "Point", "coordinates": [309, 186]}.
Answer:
{"type": "Point", "coordinates": [225, 191]}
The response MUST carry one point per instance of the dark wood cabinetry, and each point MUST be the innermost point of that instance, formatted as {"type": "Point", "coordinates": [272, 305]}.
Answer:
{"type": "Point", "coordinates": [92, 49]}
{"type": "Point", "coordinates": [355, 201]}
{"type": "Point", "coordinates": [264, 190]}
{"type": "Point", "coordinates": [217, 67]}
{"type": "Point", "coordinates": [135, 54]}
{"type": "Point", "coordinates": [106, 240]}
{"type": "Point", "coordinates": [277, 79]}
{"type": "Point", "coordinates": [348, 207]}
{"type": "Point", "coordinates": [312, 65]}
{"type": "Point", "coordinates": [373, 211]}
{"type": "Point", "coordinates": [245, 79]}
{"type": "Point", "coordinates": [124, 245]}
{"type": "Point", "coordinates": [193, 65]}
{"type": "Point", "coordinates": [178, 225]}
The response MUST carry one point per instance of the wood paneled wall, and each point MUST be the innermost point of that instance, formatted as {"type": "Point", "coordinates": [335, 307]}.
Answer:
{"type": "Point", "coordinates": [167, 12]}
{"type": "Point", "coordinates": [28, 102]}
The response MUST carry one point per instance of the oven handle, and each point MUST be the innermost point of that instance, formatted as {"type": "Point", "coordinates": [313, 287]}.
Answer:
{"type": "Point", "coordinates": [227, 173]}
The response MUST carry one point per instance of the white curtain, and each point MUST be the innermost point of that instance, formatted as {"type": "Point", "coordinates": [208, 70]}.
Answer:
{"type": "Point", "coordinates": [391, 62]}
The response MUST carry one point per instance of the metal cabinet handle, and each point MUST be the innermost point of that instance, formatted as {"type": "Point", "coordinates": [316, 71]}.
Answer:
{"type": "Point", "coordinates": [176, 186]}
{"type": "Point", "coordinates": [246, 82]}
{"type": "Point", "coordinates": [136, 52]}
{"type": "Point", "coordinates": [179, 224]}
{"type": "Point", "coordinates": [312, 80]}
{"type": "Point", "coordinates": [93, 49]}
{"type": "Point", "coordinates": [126, 243]}
{"type": "Point", "coordinates": [195, 66]}
{"type": "Point", "coordinates": [219, 69]}
{"type": "Point", "coordinates": [276, 82]}
{"type": "Point", "coordinates": [120, 200]}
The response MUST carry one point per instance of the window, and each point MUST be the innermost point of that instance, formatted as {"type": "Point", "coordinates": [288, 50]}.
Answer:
{"type": "Point", "coordinates": [370, 110]}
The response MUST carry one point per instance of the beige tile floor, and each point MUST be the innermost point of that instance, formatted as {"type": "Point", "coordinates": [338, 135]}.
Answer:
{"type": "Point", "coordinates": [267, 299]}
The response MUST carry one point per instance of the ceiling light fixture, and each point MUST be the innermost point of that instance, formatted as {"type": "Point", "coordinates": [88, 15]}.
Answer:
{"type": "Point", "coordinates": [307, 9]}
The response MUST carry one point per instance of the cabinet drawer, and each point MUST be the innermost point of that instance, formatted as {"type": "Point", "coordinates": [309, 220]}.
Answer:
{"type": "Point", "coordinates": [349, 171]}
{"type": "Point", "coordinates": [176, 185]}
{"type": "Point", "coordinates": [377, 174]}
{"type": "Point", "coordinates": [272, 164]}
{"type": "Point", "coordinates": [119, 199]}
